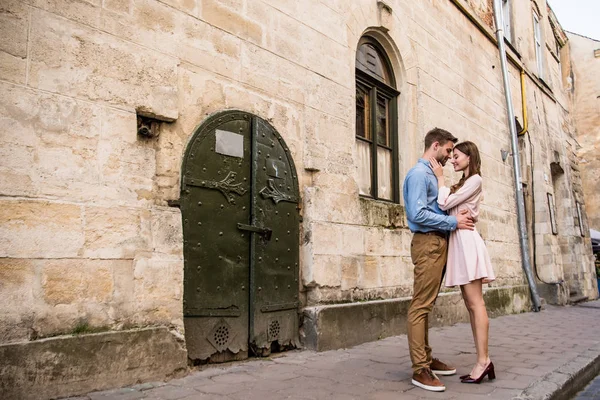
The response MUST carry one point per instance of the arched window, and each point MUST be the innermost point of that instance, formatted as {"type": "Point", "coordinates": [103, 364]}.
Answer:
{"type": "Point", "coordinates": [376, 122]}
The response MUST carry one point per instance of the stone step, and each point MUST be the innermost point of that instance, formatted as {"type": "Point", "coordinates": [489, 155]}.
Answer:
{"type": "Point", "coordinates": [577, 298]}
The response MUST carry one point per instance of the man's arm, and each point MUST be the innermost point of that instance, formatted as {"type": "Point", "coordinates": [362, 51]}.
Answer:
{"type": "Point", "coordinates": [416, 205]}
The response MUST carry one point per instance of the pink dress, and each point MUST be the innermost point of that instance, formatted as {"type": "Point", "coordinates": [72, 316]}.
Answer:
{"type": "Point", "coordinates": [468, 259]}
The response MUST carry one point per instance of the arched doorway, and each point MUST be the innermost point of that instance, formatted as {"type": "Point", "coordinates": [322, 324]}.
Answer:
{"type": "Point", "coordinates": [239, 205]}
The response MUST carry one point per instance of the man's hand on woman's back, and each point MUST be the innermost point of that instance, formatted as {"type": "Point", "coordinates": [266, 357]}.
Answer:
{"type": "Point", "coordinates": [465, 221]}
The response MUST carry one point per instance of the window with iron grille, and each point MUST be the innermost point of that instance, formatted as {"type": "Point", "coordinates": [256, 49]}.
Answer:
{"type": "Point", "coordinates": [376, 123]}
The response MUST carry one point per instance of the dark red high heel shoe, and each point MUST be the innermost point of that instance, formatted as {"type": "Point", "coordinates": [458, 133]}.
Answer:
{"type": "Point", "coordinates": [489, 371]}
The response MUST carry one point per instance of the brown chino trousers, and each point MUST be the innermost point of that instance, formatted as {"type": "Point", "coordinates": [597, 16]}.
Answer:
{"type": "Point", "coordinates": [429, 254]}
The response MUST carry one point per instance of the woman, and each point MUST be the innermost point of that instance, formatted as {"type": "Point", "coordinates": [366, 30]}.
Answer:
{"type": "Point", "coordinates": [469, 264]}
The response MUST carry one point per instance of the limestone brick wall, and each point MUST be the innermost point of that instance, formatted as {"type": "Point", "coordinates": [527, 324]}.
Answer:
{"type": "Point", "coordinates": [449, 76]}
{"type": "Point", "coordinates": [88, 240]}
{"type": "Point", "coordinates": [549, 159]}
{"type": "Point", "coordinates": [587, 119]}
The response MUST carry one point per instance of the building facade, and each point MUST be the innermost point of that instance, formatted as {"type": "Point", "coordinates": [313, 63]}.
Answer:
{"type": "Point", "coordinates": [585, 85]}
{"type": "Point", "coordinates": [208, 180]}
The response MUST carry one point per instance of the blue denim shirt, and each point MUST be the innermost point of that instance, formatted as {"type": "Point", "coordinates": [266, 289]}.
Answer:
{"type": "Point", "coordinates": [420, 200]}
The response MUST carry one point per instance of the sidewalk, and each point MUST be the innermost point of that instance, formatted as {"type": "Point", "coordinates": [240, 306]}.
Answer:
{"type": "Point", "coordinates": [537, 356]}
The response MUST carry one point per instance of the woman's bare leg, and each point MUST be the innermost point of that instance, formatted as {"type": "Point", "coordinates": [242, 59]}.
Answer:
{"type": "Point", "coordinates": [473, 297]}
{"type": "Point", "coordinates": [471, 315]}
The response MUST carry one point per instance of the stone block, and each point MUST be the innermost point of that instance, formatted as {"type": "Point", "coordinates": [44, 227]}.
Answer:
{"type": "Point", "coordinates": [328, 327]}
{"type": "Point", "coordinates": [191, 7]}
{"type": "Point", "coordinates": [18, 295]}
{"type": "Point", "coordinates": [329, 97]}
{"type": "Point", "coordinates": [80, 62]}
{"type": "Point", "coordinates": [241, 98]}
{"type": "Point", "coordinates": [167, 234]}
{"type": "Point", "coordinates": [14, 24]}
{"type": "Point", "coordinates": [81, 11]}
{"type": "Point", "coordinates": [158, 291]}
{"type": "Point", "coordinates": [369, 272]}
{"type": "Point", "coordinates": [353, 241]}
{"type": "Point", "coordinates": [12, 68]}
{"type": "Point", "coordinates": [77, 281]}
{"type": "Point", "coordinates": [201, 94]}
{"type": "Point", "coordinates": [315, 157]}
{"type": "Point", "coordinates": [269, 73]}
{"type": "Point", "coordinates": [227, 17]}
{"type": "Point", "coordinates": [127, 166]}
{"type": "Point", "coordinates": [40, 229]}
{"type": "Point", "coordinates": [326, 22]}
{"type": "Point", "coordinates": [116, 232]}
{"type": "Point", "coordinates": [390, 271]}
{"type": "Point", "coordinates": [326, 238]}
{"type": "Point", "coordinates": [285, 38]}
{"type": "Point", "coordinates": [327, 270]}
{"type": "Point", "coordinates": [119, 6]}
{"type": "Point", "coordinates": [62, 135]}
{"type": "Point", "coordinates": [384, 242]}
{"type": "Point", "coordinates": [351, 270]}
{"type": "Point", "coordinates": [50, 368]}
{"type": "Point", "coordinates": [76, 294]}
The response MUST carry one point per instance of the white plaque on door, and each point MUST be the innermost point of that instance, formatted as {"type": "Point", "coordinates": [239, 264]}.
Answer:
{"type": "Point", "coordinates": [229, 143]}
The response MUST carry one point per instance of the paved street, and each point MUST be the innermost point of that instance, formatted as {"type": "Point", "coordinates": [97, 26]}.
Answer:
{"type": "Point", "coordinates": [535, 354]}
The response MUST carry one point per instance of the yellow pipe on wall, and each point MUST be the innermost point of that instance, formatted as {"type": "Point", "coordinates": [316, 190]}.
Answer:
{"type": "Point", "coordinates": [491, 37]}
{"type": "Point", "coordinates": [523, 105]}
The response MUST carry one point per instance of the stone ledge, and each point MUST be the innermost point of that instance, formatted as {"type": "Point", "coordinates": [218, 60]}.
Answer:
{"type": "Point", "coordinates": [337, 326]}
{"type": "Point", "coordinates": [71, 365]}
{"type": "Point", "coordinates": [569, 379]}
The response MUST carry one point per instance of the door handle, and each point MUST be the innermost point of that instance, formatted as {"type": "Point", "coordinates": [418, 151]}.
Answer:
{"type": "Point", "coordinates": [265, 232]}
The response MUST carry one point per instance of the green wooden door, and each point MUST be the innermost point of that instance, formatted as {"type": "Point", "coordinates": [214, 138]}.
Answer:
{"type": "Point", "coordinates": [274, 276]}
{"type": "Point", "coordinates": [240, 229]}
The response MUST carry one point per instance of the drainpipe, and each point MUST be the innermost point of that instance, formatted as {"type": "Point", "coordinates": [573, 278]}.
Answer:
{"type": "Point", "coordinates": [516, 167]}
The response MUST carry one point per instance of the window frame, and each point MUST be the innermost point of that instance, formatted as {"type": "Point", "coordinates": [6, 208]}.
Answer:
{"type": "Point", "coordinates": [538, 45]}
{"type": "Point", "coordinates": [375, 88]}
{"type": "Point", "coordinates": [507, 20]}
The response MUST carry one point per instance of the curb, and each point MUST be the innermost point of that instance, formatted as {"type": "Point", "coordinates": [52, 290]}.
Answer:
{"type": "Point", "coordinates": [566, 381]}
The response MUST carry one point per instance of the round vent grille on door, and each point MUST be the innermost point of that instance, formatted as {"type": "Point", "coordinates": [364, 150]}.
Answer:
{"type": "Point", "coordinates": [274, 328]}
{"type": "Point", "coordinates": [220, 336]}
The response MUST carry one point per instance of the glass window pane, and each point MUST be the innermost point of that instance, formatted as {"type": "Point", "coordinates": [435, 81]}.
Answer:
{"type": "Point", "coordinates": [363, 150]}
{"type": "Point", "coordinates": [538, 44]}
{"type": "Point", "coordinates": [363, 113]}
{"type": "Point", "coordinates": [385, 189]}
{"type": "Point", "coordinates": [369, 60]}
{"type": "Point", "coordinates": [383, 135]}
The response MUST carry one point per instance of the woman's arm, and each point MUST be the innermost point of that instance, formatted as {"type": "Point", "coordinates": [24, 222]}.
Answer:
{"type": "Point", "coordinates": [471, 186]}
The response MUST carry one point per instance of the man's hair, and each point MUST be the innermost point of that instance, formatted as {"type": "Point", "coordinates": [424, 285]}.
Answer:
{"type": "Point", "coordinates": [438, 135]}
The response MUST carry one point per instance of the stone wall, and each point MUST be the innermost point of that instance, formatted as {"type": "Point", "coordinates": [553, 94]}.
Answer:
{"type": "Point", "coordinates": [88, 239]}
{"type": "Point", "coordinates": [586, 60]}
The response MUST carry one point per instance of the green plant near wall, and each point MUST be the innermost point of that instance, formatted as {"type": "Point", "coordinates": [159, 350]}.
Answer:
{"type": "Point", "coordinates": [83, 328]}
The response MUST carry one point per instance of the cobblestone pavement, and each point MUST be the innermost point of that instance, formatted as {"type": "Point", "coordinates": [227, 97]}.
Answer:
{"type": "Point", "coordinates": [535, 354]}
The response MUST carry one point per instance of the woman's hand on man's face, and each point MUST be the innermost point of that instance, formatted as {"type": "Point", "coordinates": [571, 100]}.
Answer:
{"type": "Point", "coordinates": [437, 168]}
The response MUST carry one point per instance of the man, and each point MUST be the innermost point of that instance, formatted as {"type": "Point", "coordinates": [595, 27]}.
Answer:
{"type": "Point", "coordinates": [429, 250]}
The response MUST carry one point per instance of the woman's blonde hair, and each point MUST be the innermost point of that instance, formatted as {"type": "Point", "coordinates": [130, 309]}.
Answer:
{"type": "Point", "coordinates": [469, 149]}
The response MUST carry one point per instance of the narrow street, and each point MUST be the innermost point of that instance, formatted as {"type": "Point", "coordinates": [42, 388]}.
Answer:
{"type": "Point", "coordinates": [535, 355]}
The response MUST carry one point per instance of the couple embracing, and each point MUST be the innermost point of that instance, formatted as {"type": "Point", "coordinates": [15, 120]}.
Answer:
{"type": "Point", "coordinates": [442, 219]}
